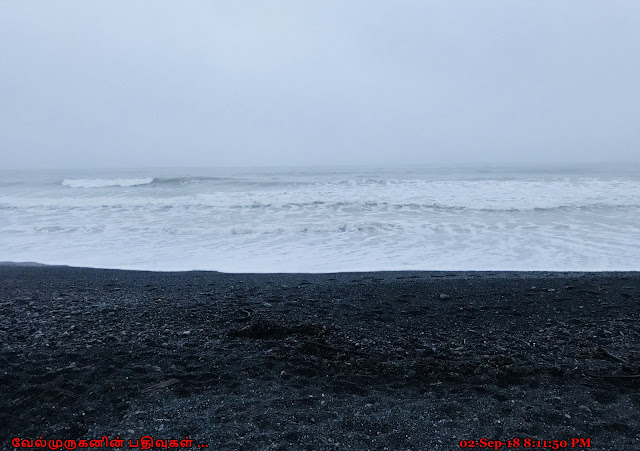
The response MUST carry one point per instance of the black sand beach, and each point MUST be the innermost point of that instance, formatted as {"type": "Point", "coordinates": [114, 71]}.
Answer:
{"type": "Point", "coordinates": [394, 360]}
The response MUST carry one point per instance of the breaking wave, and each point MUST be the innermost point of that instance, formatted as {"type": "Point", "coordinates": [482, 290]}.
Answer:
{"type": "Point", "coordinates": [104, 183]}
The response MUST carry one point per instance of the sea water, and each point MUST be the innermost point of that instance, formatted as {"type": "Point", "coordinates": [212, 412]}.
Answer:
{"type": "Point", "coordinates": [325, 219]}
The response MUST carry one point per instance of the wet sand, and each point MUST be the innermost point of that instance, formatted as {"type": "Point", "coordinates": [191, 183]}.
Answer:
{"type": "Point", "coordinates": [393, 360]}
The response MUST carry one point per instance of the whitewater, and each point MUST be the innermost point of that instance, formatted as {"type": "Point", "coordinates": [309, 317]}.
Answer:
{"type": "Point", "coordinates": [325, 220]}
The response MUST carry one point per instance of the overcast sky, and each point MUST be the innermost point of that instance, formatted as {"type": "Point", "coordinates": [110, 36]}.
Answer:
{"type": "Point", "coordinates": [241, 83]}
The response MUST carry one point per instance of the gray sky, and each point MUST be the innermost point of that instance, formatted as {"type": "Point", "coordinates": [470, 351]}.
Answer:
{"type": "Point", "coordinates": [165, 83]}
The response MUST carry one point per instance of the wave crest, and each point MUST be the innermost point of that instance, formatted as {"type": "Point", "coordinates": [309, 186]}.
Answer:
{"type": "Point", "coordinates": [103, 183]}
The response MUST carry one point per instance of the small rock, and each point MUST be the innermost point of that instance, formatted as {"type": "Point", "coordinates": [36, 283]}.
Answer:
{"type": "Point", "coordinates": [444, 297]}
{"type": "Point", "coordinates": [551, 290]}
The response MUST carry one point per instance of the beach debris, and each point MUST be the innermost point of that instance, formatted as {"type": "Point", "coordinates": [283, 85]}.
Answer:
{"type": "Point", "coordinates": [247, 315]}
{"type": "Point", "coordinates": [269, 330]}
{"type": "Point", "coordinates": [163, 384]}
{"type": "Point", "coordinates": [608, 355]}
{"type": "Point", "coordinates": [444, 297]}
{"type": "Point", "coordinates": [613, 376]}
{"type": "Point", "coordinates": [339, 350]}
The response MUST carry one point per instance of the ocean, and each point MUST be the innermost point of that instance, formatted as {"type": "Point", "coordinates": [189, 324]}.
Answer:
{"type": "Point", "coordinates": [325, 219]}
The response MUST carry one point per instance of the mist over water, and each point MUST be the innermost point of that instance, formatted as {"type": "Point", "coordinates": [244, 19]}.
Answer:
{"type": "Point", "coordinates": [325, 220]}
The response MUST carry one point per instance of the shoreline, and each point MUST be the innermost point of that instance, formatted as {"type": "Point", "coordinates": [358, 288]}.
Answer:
{"type": "Point", "coordinates": [460, 272]}
{"type": "Point", "coordinates": [358, 360]}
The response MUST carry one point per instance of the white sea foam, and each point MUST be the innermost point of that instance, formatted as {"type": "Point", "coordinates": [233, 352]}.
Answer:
{"type": "Point", "coordinates": [104, 183]}
{"type": "Point", "coordinates": [316, 221]}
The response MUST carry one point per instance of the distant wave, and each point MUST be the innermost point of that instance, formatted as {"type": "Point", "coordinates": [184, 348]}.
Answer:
{"type": "Point", "coordinates": [222, 201]}
{"type": "Point", "coordinates": [178, 181]}
{"type": "Point", "coordinates": [183, 180]}
{"type": "Point", "coordinates": [373, 205]}
{"type": "Point", "coordinates": [103, 183]}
